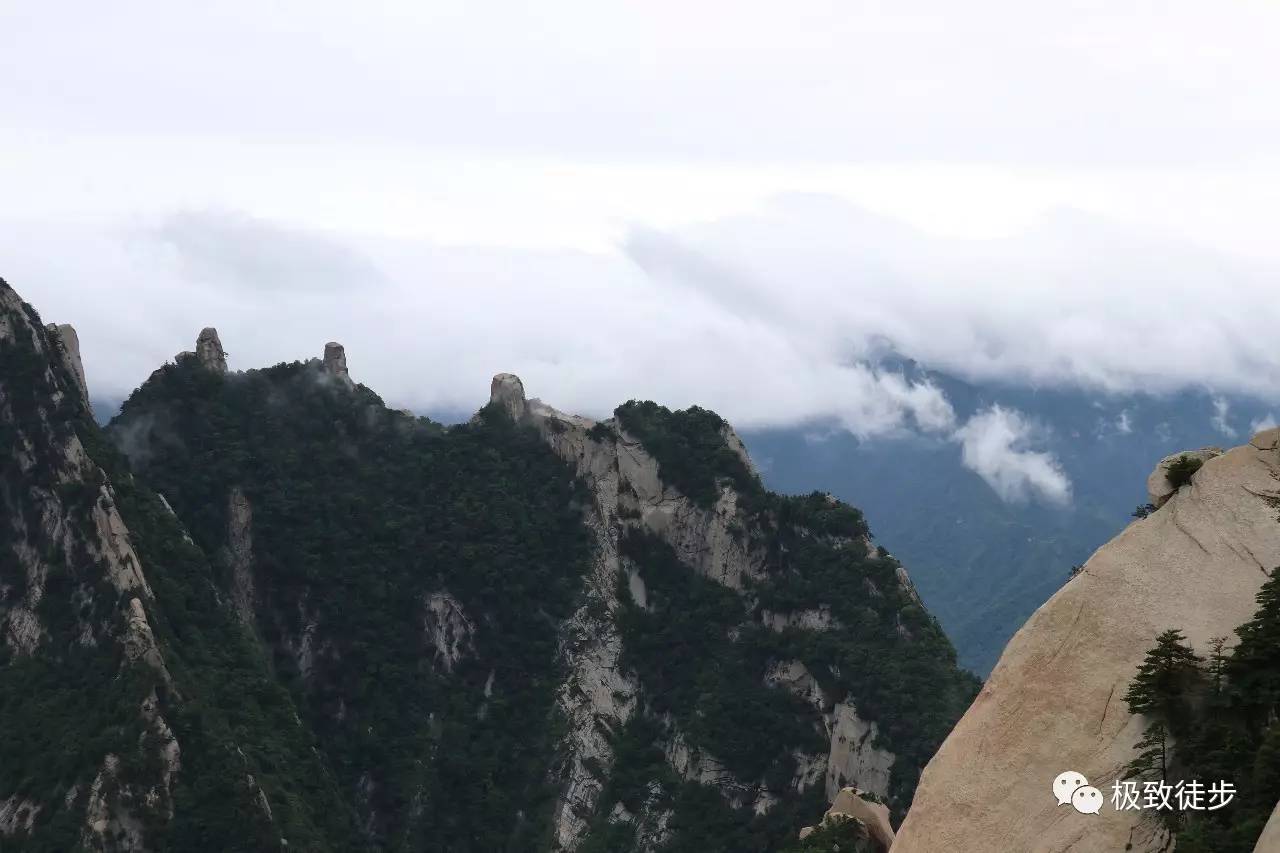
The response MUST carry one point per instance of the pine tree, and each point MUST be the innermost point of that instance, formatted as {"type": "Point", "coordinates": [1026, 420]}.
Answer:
{"type": "Point", "coordinates": [1170, 672]}
{"type": "Point", "coordinates": [1217, 664]}
{"type": "Point", "coordinates": [1152, 761]}
{"type": "Point", "coordinates": [1254, 668]}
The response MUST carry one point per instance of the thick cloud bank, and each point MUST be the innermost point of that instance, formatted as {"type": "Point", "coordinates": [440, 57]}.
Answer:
{"type": "Point", "coordinates": [772, 319]}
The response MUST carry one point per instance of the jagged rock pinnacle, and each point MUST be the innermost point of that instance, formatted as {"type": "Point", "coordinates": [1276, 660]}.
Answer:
{"type": "Point", "coordinates": [335, 361]}
{"type": "Point", "coordinates": [68, 342]}
{"type": "Point", "coordinates": [209, 350]}
{"type": "Point", "coordinates": [508, 392]}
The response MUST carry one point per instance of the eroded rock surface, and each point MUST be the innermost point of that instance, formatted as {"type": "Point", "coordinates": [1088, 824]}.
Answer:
{"type": "Point", "coordinates": [335, 362]}
{"type": "Point", "coordinates": [68, 345]}
{"type": "Point", "coordinates": [1055, 701]}
{"type": "Point", "coordinates": [210, 352]}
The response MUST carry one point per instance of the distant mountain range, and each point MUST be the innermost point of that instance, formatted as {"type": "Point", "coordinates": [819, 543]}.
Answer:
{"type": "Point", "coordinates": [984, 564]}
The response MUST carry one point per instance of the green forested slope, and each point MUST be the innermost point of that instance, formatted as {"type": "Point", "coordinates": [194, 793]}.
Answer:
{"type": "Point", "coordinates": [359, 515]}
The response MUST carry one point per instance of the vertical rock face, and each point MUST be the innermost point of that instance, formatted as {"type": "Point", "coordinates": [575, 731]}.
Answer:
{"type": "Point", "coordinates": [507, 391]}
{"type": "Point", "coordinates": [855, 757]}
{"type": "Point", "coordinates": [1055, 701]}
{"type": "Point", "coordinates": [68, 345]}
{"type": "Point", "coordinates": [209, 350]}
{"type": "Point", "coordinates": [335, 361]}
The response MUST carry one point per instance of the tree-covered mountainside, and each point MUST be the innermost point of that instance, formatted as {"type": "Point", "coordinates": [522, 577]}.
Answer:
{"type": "Point", "coordinates": [116, 651]}
{"type": "Point", "coordinates": [408, 583]}
{"type": "Point", "coordinates": [262, 611]}
{"type": "Point", "coordinates": [707, 655]}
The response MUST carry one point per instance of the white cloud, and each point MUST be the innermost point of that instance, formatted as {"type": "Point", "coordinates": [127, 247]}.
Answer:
{"type": "Point", "coordinates": [1123, 425]}
{"type": "Point", "coordinates": [1267, 421]}
{"type": "Point", "coordinates": [1221, 411]}
{"type": "Point", "coordinates": [773, 318]}
{"type": "Point", "coordinates": [995, 444]}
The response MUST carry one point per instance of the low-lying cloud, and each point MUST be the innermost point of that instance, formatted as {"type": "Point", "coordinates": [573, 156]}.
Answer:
{"type": "Point", "coordinates": [773, 319]}
{"type": "Point", "coordinates": [996, 444]}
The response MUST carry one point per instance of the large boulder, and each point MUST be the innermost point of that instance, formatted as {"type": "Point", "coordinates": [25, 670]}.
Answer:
{"type": "Point", "coordinates": [1055, 701]}
{"type": "Point", "coordinates": [1159, 488]}
{"type": "Point", "coordinates": [852, 804]}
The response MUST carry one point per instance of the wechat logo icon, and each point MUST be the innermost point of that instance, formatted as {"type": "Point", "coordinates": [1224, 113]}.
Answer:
{"type": "Point", "coordinates": [1071, 787]}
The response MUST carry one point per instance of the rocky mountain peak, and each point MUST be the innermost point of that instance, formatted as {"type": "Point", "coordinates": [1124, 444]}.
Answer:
{"type": "Point", "coordinates": [68, 346]}
{"type": "Point", "coordinates": [507, 391]}
{"type": "Point", "coordinates": [335, 361]}
{"type": "Point", "coordinates": [209, 350]}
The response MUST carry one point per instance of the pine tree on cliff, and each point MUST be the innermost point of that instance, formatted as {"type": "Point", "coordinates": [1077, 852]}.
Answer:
{"type": "Point", "coordinates": [1170, 672]}
{"type": "Point", "coordinates": [1254, 668]}
{"type": "Point", "coordinates": [1165, 681]}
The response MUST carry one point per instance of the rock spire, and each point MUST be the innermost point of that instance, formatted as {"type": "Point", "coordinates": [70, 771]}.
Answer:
{"type": "Point", "coordinates": [210, 352]}
{"type": "Point", "coordinates": [335, 361]}
{"type": "Point", "coordinates": [507, 391]}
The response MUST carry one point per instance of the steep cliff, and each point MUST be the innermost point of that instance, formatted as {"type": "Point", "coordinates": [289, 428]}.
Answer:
{"type": "Point", "coordinates": [134, 716]}
{"type": "Point", "coordinates": [1056, 700]}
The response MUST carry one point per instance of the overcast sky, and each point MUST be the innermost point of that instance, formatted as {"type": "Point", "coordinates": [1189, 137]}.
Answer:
{"type": "Point", "coordinates": [729, 203]}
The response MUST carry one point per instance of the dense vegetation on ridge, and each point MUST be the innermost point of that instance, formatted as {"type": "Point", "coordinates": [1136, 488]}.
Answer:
{"type": "Point", "coordinates": [359, 515]}
{"type": "Point", "coordinates": [71, 703]}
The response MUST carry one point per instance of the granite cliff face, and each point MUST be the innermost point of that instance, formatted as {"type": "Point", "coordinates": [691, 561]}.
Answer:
{"type": "Point", "coordinates": [1055, 700]}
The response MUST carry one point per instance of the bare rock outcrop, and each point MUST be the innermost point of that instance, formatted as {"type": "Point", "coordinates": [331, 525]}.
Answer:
{"type": "Point", "coordinates": [210, 352]}
{"type": "Point", "coordinates": [507, 391]}
{"type": "Point", "coordinates": [448, 629]}
{"type": "Point", "coordinates": [17, 815]}
{"type": "Point", "coordinates": [68, 345]}
{"type": "Point", "coordinates": [1159, 489]}
{"type": "Point", "coordinates": [853, 804]}
{"type": "Point", "coordinates": [855, 755]}
{"type": "Point", "coordinates": [1055, 701]}
{"type": "Point", "coordinates": [240, 554]}
{"type": "Point", "coordinates": [335, 362]}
